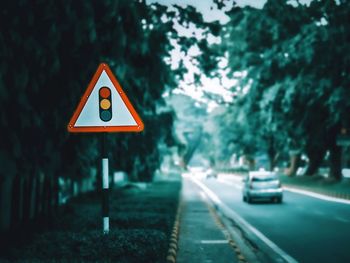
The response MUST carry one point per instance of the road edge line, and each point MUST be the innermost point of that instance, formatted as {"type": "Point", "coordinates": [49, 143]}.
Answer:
{"type": "Point", "coordinates": [316, 195]}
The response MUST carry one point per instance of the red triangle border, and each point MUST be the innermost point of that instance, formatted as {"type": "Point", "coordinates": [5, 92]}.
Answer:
{"type": "Point", "coordinates": [136, 128]}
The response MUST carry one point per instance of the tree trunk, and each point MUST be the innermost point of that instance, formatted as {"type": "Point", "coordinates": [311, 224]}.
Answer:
{"type": "Point", "coordinates": [34, 186]}
{"type": "Point", "coordinates": [6, 186]}
{"type": "Point", "coordinates": [50, 199]}
{"type": "Point", "coordinates": [272, 162]}
{"type": "Point", "coordinates": [335, 157]}
{"type": "Point", "coordinates": [335, 162]}
{"type": "Point", "coordinates": [15, 202]}
{"type": "Point", "coordinates": [44, 197]}
{"type": "Point", "coordinates": [47, 195]}
{"type": "Point", "coordinates": [38, 195]}
{"type": "Point", "coordinates": [315, 159]}
{"type": "Point", "coordinates": [26, 200]}
{"type": "Point", "coordinates": [272, 158]}
{"type": "Point", "coordinates": [250, 162]}
{"type": "Point", "coordinates": [271, 152]}
{"type": "Point", "coordinates": [56, 192]}
{"type": "Point", "coordinates": [294, 164]}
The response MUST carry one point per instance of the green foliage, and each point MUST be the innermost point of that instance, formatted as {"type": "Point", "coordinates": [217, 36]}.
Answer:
{"type": "Point", "coordinates": [141, 223]}
{"type": "Point", "coordinates": [119, 246]}
{"type": "Point", "coordinates": [295, 58]}
{"type": "Point", "coordinates": [50, 51]}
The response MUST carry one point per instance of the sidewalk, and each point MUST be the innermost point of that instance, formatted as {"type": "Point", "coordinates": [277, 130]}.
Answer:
{"type": "Point", "coordinates": [202, 237]}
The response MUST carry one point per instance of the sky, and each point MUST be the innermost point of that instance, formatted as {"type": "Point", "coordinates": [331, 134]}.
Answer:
{"type": "Point", "coordinates": [215, 86]}
{"type": "Point", "coordinates": [204, 7]}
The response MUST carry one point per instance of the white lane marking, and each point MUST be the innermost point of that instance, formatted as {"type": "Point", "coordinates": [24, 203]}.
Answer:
{"type": "Point", "coordinates": [228, 211]}
{"type": "Point", "coordinates": [319, 196]}
{"type": "Point", "coordinates": [224, 181]}
{"type": "Point", "coordinates": [233, 177]}
{"type": "Point", "coordinates": [214, 241]}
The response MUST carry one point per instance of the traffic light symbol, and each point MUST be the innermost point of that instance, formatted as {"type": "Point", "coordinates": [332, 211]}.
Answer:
{"type": "Point", "coordinates": [105, 104]}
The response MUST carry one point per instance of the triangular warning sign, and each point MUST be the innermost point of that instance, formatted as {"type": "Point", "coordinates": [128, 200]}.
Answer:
{"type": "Point", "coordinates": [105, 107]}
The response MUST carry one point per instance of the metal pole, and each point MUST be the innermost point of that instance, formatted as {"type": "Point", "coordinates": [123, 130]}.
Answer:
{"type": "Point", "coordinates": [105, 187]}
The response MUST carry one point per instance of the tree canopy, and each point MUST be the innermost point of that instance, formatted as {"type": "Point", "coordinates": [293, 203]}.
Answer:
{"type": "Point", "coordinates": [49, 52]}
{"type": "Point", "coordinates": [295, 96]}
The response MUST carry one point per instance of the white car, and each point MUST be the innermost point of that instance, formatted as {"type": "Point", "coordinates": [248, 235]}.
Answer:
{"type": "Point", "coordinates": [262, 185]}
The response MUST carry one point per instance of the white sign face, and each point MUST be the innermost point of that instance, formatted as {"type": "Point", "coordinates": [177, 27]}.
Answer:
{"type": "Point", "coordinates": [105, 107]}
{"type": "Point", "coordinates": [90, 115]}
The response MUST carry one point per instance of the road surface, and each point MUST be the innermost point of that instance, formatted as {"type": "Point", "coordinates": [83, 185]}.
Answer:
{"type": "Point", "coordinates": [306, 228]}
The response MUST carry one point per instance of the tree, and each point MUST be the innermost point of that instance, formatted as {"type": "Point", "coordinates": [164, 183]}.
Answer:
{"type": "Point", "coordinates": [49, 52]}
{"type": "Point", "coordinates": [291, 87]}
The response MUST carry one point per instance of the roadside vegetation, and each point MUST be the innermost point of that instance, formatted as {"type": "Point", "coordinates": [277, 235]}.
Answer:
{"type": "Point", "coordinates": [319, 184]}
{"type": "Point", "coordinates": [49, 53]}
{"type": "Point", "coordinates": [141, 220]}
{"type": "Point", "coordinates": [291, 102]}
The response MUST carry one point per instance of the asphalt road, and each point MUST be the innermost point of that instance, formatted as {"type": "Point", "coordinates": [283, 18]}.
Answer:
{"type": "Point", "coordinates": [306, 228]}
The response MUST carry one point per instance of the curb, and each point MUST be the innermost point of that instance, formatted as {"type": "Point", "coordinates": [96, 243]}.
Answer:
{"type": "Point", "coordinates": [241, 258]}
{"type": "Point", "coordinates": [174, 237]}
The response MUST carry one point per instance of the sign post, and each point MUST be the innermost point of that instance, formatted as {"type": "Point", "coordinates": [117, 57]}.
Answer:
{"type": "Point", "coordinates": [104, 108]}
{"type": "Point", "coordinates": [105, 187]}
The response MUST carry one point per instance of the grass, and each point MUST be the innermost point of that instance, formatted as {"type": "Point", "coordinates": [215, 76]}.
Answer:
{"type": "Point", "coordinates": [140, 221]}
{"type": "Point", "coordinates": [319, 184]}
